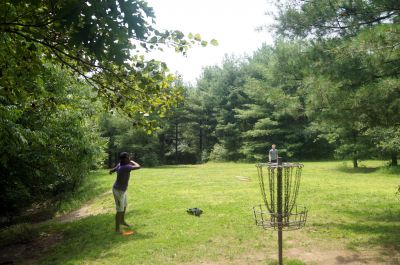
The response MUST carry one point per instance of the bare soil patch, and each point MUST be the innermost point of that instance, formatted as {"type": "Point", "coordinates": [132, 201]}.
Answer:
{"type": "Point", "coordinates": [86, 210]}
{"type": "Point", "coordinates": [30, 252]}
{"type": "Point", "coordinates": [315, 257]}
{"type": "Point", "coordinates": [243, 178]}
{"type": "Point", "coordinates": [344, 256]}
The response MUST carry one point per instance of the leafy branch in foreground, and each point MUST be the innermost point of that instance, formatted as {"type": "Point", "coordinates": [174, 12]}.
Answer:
{"type": "Point", "coordinates": [103, 42]}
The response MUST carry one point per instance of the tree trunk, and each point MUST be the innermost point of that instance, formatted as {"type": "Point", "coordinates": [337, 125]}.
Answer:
{"type": "Point", "coordinates": [394, 160]}
{"type": "Point", "coordinates": [176, 142]}
{"type": "Point", "coordinates": [355, 156]}
{"type": "Point", "coordinates": [161, 140]}
{"type": "Point", "coordinates": [116, 159]}
{"type": "Point", "coordinates": [201, 142]}
{"type": "Point", "coordinates": [109, 160]}
{"type": "Point", "coordinates": [355, 162]}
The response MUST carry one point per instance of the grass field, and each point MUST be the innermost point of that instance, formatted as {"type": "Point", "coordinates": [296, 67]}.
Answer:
{"type": "Point", "coordinates": [350, 210]}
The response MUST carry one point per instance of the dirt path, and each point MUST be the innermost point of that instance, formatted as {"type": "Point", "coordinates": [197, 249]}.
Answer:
{"type": "Point", "coordinates": [88, 209]}
{"type": "Point", "coordinates": [30, 253]}
{"type": "Point", "coordinates": [344, 256]}
{"type": "Point", "coordinates": [314, 257]}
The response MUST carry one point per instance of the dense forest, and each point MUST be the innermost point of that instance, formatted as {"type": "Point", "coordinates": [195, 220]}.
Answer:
{"type": "Point", "coordinates": [326, 89]}
{"type": "Point", "coordinates": [75, 90]}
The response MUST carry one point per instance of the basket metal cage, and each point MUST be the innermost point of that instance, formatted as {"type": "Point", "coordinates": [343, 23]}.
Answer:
{"type": "Point", "coordinates": [279, 186]}
{"type": "Point", "coordinates": [290, 221]}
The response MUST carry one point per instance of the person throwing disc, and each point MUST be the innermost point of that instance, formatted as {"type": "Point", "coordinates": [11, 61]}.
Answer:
{"type": "Point", "coordinates": [123, 169]}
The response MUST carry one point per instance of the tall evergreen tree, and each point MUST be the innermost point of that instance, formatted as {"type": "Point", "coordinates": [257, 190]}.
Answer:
{"type": "Point", "coordinates": [276, 113]}
{"type": "Point", "coordinates": [355, 61]}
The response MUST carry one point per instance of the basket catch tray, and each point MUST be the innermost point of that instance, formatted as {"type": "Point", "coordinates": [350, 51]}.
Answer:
{"type": "Point", "coordinates": [290, 221]}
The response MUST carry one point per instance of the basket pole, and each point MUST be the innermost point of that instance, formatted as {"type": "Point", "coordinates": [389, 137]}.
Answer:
{"type": "Point", "coordinates": [279, 206]}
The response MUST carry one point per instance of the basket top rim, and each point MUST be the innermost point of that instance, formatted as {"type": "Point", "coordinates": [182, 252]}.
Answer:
{"type": "Point", "coordinates": [280, 165]}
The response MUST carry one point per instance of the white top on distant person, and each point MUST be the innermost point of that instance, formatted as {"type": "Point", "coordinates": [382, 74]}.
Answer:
{"type": "Point", "coordinates": [273, 154]}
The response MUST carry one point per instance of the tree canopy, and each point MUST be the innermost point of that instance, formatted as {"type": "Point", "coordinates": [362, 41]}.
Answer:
{"type": "Point", "coordinates": [63, 65]}
{"type": "Point", "coordinates": [104, 43]}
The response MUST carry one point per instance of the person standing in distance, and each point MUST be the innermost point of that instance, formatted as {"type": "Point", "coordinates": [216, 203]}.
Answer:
{"type": "Point", "coordinates": [273, 154]}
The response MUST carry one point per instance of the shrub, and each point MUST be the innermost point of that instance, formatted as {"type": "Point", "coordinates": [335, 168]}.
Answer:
{"type": "Point", "coordinates": [218, 153]}
{"type": "Point", "coordinates": [205, 156]}
{"type": "Point", "coordinates": [48, 144]}
{"type": "Point", "coordinates": [150, 160]}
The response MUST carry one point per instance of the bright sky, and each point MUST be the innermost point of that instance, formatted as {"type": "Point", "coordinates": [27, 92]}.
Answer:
{"type": "Point", "coordinates": [232, 22]}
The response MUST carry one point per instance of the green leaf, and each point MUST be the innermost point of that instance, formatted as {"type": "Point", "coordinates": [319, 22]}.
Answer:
{"type": "Point", "coordinates": [214, 42]}
{"type": "Point", "coordinates": [197, 37]}
{"type": "Point", "coordinates": [153, 39]}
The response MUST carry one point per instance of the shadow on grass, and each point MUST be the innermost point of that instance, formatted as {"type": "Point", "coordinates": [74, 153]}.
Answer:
{"type": "Point", "coordinates": [389, 170]}
{"type": "Point", "coordinates": [358, 170]}
{"type": "Point", "coordinates": [48, 210]}
{"type": "Point", "coordinates": [358, 259]}
{"type": "Point", "coordinates": [381, 227]}
{"type": "Point", "coordinates": [395, 170]}
{"type": "Point", "coordinates": [385, 235]}
{"type": "Point", "coordinates": [175, 166]}
{"type": "Point", "coordinates": [387, 216]}
{"type": "Point", "coordinates": [89, 238]}
{"type": "Point", "coordinates": [286, 262]}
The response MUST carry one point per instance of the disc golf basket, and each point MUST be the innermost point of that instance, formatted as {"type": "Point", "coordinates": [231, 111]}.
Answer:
{"type": "Point", "coordinates": [279, 185]}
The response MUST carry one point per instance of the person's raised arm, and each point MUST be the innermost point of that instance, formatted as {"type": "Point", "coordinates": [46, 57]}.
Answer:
{"type": "Point", "coordinates": [114, 169]}
{"type": "Point", "coordinates": [134, 164]}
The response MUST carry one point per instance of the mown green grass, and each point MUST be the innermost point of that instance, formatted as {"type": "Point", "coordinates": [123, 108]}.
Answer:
{"type": "Point", "coordinates": [95, 184]}
{"type": "Point", "coordinates": [356, 209]}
